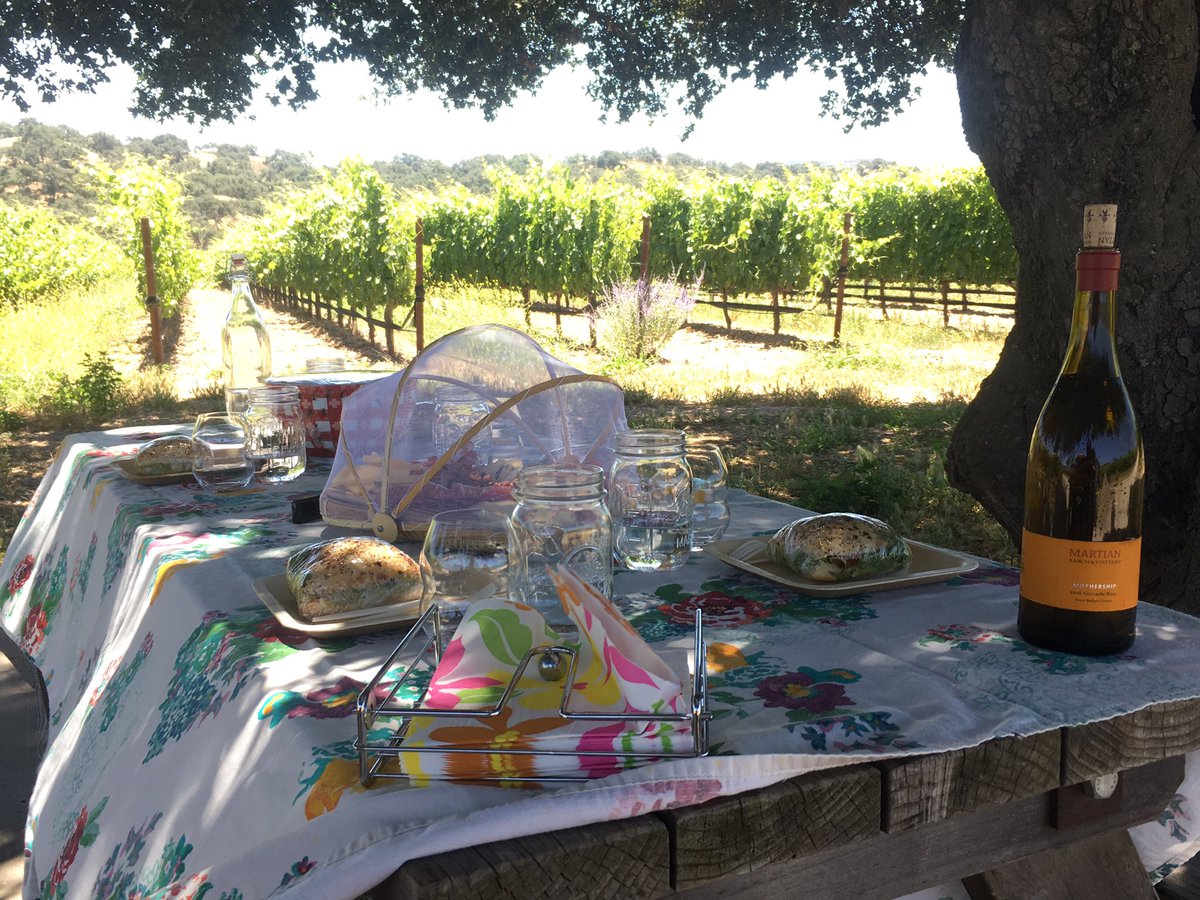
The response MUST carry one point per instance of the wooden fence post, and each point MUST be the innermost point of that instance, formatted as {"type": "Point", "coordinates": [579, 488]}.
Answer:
{"type": "Point", "coordinates": [152, 304]}
{"type": "Point", "coordinates": [945, 304]}
{"type": "Point", "coordinates": [725, 309]}
{"type": "Point", "coordinates": [883, 297]}
{"type": "Point", "coordinates": [388, 327]}
{"type": "Point", "coordinates": [527, 298]}
{"type": "Point", "coordinates": [591, 314]}
{"type": "Point", "coordinates": [645, 273]}
{"type": "Point", "coordinates": [419, 288]}
{"type": "Point", "coordinates": [843, 270]}
{"type": "Point", "coordinates": [775, 311]}
{"type": "Point", "coordinates": [558, 306]}
{"type": "Point", "coordinates": [827, 292]}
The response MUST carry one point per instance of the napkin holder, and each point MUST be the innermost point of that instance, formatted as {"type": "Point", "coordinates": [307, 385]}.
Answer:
{"type": "Point", "coordinates": [376, 706]}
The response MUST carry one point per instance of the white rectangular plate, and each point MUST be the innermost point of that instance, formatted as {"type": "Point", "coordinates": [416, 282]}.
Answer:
{"type": "Point", "coordinates": [929, 565]}
{"type": "Point", "coordinates": [276, 595]}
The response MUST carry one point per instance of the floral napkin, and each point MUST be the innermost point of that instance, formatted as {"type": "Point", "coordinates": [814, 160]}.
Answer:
{"type": "Point", "coordinates": [617, 673]}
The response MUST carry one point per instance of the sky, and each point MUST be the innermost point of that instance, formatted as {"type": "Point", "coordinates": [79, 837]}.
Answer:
{"type": "Point", "coordinates": [779, 124]}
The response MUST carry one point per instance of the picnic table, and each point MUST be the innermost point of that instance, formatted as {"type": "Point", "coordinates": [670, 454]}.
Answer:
{"type": "Point", "coordinates": [869, 745]}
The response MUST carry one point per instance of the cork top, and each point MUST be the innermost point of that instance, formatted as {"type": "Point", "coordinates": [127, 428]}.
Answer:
{"type": "Point", "coordinates": [1100, 226]}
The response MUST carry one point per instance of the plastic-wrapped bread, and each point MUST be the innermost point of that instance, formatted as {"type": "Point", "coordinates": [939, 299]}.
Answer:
{"type": "Point", "coordinates": [349, 574]}
{"type": "Point", "coordinates": [839, 547]}
{"type": "Point", "coordinates": [171, 455]}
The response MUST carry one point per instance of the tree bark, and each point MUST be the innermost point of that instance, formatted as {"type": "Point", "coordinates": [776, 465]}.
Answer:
{"type": "Point", "coordinates": [1069, 102]}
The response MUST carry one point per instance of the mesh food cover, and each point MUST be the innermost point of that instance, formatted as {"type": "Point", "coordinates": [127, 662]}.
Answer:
{"type": "Point", "coordinates": [455, 428]}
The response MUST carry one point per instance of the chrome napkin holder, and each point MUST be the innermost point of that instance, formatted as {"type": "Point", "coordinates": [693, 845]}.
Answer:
{"type": "Point", "coordinates": [372, 755]}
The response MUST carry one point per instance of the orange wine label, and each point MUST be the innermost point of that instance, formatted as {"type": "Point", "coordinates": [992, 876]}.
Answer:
{"type": "Point", "coordinates": [1099, 576]}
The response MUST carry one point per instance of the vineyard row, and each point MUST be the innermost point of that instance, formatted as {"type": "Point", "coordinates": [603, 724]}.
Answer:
{"type": "Point", "coordinates": [352, 238]}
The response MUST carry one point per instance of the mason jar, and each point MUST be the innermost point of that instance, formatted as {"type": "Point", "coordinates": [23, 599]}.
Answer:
{"type": "Point", "coordinates": [275, 433]}
{"type": "Point", "coordinates": [455, 410]}
{"type": "Point", "coordinates": [650, 495]}
{"type": "Point", "coordinates": [560, 519]}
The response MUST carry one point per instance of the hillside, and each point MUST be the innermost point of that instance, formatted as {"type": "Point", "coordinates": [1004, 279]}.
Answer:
{"type": "Point", "coordinates": [49, 165]}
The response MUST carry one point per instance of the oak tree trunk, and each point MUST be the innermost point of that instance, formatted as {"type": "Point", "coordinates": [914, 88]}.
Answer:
{"type": "Point", "coordinates": [1069, 102]}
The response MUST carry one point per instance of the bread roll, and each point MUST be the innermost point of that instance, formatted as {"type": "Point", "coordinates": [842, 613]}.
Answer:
{"type": "Point", "coordinates": [839, 547]}
{"type": "Point", "coordinates": [351, 573]}
{"type": "Point", "coordinates": [170, 455]}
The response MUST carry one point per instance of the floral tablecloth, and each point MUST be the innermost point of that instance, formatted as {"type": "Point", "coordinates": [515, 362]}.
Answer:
{"type": "Point", "coordinates": [197, 745]}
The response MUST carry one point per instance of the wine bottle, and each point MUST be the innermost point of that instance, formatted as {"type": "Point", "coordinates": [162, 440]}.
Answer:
{"type": "Point", "coordinates": [245, 344]}
{"type": "Point", "coordinates": [1085, 476]}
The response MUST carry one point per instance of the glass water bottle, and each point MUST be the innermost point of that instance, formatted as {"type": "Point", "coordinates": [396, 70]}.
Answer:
{"type": "Point", "coordinates": [245, 343]}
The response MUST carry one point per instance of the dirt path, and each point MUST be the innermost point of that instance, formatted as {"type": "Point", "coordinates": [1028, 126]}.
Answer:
{"type": "Point", "coordinates": [197, 357]}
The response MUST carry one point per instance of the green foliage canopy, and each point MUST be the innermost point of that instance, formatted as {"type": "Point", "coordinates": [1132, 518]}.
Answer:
{"type": "Point", "coordinates": [201, 61]}
{"type": "Point", "coordinates": [143, 191]}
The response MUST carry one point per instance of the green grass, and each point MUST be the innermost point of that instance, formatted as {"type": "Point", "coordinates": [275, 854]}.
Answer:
{"type": "Point", "coordinates": [42, 343]}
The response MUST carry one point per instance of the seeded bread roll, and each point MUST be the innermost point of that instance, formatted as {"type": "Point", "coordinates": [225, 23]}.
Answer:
{"type": "Point", "coordinates": [170, 455]}
{"type": "Point", "coordinates": [839, 547]}
{"type": "Point", "coordinates": [351, 573]}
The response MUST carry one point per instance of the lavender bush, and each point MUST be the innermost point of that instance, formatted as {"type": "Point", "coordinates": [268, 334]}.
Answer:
{"type": "Point", "coordinates": [638, 317]}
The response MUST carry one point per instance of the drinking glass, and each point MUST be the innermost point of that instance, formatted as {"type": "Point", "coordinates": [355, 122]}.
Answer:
{"type": "Point", "coordinates": [464, 559]}
{"type": "Point", "coordinates": [710, 485]}
{"type": "Point", "coordinates": [219, 459]}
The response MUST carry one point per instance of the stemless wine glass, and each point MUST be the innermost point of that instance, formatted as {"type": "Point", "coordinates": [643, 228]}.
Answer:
{"type": "Point", "coordinates": [219, 459]}
{"type": "Point", "coordinates": [464, 559]}
{"type": "Point", "coordinates": [710, 485]}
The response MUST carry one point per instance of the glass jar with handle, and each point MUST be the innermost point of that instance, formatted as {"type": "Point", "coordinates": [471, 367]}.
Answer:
{"type": "Point", "coordinates": [455, 409]}
{"type": "Point", "coordinates": [710, 506]}
{"type": "Point", "coordinates": [650, 495]}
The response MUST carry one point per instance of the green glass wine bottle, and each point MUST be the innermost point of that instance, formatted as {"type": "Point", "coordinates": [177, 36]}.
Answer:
{"type": "Point", "coordinates": [1085, 476]}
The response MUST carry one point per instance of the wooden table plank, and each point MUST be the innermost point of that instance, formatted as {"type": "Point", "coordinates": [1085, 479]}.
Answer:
{"type": "Point", "coordinates": [918, 790]}
{"type": "Point", "coordinates": [1183, 883]}
{"type": "Point", "coordinates": [732, 835]}
{"type": "Point", "coordinates": [1103, 865]}
{"type": "Point", "coordinates": [1157, 732]}
{"type": "Point", "coordinates": [889, 865]}
{"type": "Point", "coordinates": [629, 858]}
{"type": "Point", "coordinates": [917, 820]}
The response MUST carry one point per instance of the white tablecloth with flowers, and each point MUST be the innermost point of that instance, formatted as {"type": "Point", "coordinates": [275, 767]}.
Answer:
{"type": "Point", "coordinates": [198, 746]}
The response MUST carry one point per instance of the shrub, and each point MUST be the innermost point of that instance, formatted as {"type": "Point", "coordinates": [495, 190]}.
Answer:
{"type": "Point", "coordinates": [638, 318]}
{"type": "Point", "coordinates": [91, 398]}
